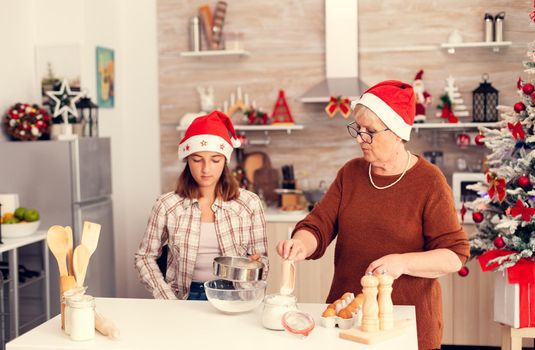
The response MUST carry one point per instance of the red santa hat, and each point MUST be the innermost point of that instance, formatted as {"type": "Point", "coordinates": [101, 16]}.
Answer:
{"type": "Point", "coordinates": [394, 103]}
{"type": "Point", "coordinates": [209, 133]}
{"type": "Point", "coordinates": [419, 75]}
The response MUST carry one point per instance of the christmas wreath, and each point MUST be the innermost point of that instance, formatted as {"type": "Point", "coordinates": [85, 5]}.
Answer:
{"type": "Point", "coordinates": [27, 122]}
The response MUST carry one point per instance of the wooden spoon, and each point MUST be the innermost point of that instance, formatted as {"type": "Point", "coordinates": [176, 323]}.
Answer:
{"type": "Point", "coordinates": [288, 277]}
{"type": "Point", "coordinates": [69, 250]}
{"type": "Point", "coordinates": [90, 236]}
{"type": "Point", "coordinates": [80, 261]}
{"type": "Point", "coordinates": [58, 242]}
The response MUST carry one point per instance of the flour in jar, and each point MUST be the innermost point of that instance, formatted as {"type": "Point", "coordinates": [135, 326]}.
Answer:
{"type": "Point", "coordinates": [276, 305]}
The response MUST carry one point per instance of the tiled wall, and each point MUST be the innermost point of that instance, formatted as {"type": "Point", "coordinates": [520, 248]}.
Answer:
{"type": "Point", "coordinates": [286, 41]}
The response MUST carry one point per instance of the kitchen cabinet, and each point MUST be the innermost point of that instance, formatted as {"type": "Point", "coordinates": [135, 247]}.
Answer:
{"type": "Point", "coordinates": [24, 304]}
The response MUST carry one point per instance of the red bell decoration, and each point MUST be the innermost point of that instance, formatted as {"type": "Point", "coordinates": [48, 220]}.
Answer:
{"type": "Point", "coordinates": [528, 88]}
{"type": "Point", "coordinates": [479, 140]}
{"type": "Point", "coordinates": [519, 107]}
{"type": "Point", "coordinates": [523, 181]}
{"type": "Point", "coordinates": [477, 216]}
{"type": "Point", "coordinates": [499, 242]}
{"type": "Point", "coordinates": [463, 272]}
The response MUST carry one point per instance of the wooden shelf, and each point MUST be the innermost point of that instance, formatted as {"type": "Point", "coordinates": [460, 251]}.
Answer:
{"type": "Point", "coordinates": [212, 53]}
{"type": "Point", "coordinates": [265, 128]}
{"type": "Point", "coordinates": [494, 45]}
{"type": "Point", "coordinates": [454, 125]}
{"type": "Point", "coordinates": [408, 48]}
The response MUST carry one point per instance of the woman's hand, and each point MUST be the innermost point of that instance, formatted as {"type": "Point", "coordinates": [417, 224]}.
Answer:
{"type": "Point", "coordinates": [292, 249]}
{"type": "Point", "coordinates": [392, 264]}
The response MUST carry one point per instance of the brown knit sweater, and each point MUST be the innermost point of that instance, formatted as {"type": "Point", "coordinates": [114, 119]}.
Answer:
{"type": "Point", "coordinates": [417, 214]}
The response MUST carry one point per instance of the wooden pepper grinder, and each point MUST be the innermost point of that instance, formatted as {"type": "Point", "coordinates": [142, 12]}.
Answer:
{"type": "Point", "coordinates": [370, 307]}
{"type": "Point", "coordinates": [386, 307]}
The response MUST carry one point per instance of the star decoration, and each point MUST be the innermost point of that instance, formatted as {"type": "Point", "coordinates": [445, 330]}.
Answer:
{"type": "Point", "coordinates": [222, 146]}
{"type": "Point", "coordinates": [64, 99]}
{"type": "Point", "coordinates": [203, 143]}
{"type": "Point", "coordinates": [187, 147]}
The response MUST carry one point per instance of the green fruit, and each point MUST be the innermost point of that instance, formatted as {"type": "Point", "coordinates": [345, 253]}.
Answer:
{"type": "Point", "coordinates": [19, 213]}
{"type": "Point", "coordinates": [13, 220]}
{"type": "Point", "coordinates": [31, 215]}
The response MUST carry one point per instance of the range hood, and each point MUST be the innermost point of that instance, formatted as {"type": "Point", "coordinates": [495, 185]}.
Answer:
{"type": "Point", "coordinates": [341, 54]}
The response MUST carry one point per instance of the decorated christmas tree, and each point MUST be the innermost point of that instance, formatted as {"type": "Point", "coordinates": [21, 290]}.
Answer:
{"type": "Point", "coordinates": [504, 211]}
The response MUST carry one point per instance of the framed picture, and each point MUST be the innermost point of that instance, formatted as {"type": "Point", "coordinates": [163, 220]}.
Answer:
{"type": "Point", "coordinates": [55, 63]}
{"type": "Point", "coordinates": [105, 77]}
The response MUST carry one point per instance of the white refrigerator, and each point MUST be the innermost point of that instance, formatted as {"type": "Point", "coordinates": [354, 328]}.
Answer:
{"type": "Point", "coordinates": [69, 182]}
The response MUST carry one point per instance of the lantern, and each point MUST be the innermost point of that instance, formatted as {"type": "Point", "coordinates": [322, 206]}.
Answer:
{"type": "Point", "coordinates": [485, 101]}
{"type": "Point", "coordinates": [88, 113]}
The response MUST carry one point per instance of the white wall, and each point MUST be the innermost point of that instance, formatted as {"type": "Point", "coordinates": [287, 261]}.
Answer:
{"type": "Point", "coordinates": [129, 28]}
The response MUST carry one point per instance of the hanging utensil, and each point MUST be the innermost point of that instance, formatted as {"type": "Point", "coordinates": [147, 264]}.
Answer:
{"type": "Point", "coordinates": [80, 261]}
{"type": "Point", "coordinates": [58, 242]}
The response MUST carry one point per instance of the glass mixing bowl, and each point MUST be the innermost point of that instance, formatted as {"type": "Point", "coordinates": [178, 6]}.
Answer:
{"type": "Point", "coordinates": [235, 297]}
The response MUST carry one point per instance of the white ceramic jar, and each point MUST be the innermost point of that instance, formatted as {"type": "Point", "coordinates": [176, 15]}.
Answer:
{"type": "Point", "coordinates": [80, 315]}
{"type": "Point", "coordinates": [276, 305]}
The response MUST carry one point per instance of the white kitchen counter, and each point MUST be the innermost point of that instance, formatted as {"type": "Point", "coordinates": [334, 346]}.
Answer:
{"type": "Point", "coordinates": [171, 324]}
{"type": "Point", "coordinates": [278, 215]}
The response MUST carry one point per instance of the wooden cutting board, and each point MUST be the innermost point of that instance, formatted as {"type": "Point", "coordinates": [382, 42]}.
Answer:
{"type": "Point", "coordinates": [267, 179]}
{"type": "Point", "coordinates": [254, 161]}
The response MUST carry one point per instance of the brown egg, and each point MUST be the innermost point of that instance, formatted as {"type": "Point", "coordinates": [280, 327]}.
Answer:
{"type": "Point", "coordinates": [352, 307]}
{"type": "Point", "coordinates": [331, 306]}
{"type": "Point", "coordinates": [329, 312]}
{"type": "Point", "coordinates": [345, 313]}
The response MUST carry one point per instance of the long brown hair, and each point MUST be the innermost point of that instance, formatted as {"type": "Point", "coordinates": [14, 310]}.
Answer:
{"type": "Point", "coordinates": [227, 187]}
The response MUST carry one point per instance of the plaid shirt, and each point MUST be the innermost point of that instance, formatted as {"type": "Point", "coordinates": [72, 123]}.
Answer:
{"type": "Point", "coordinates": [176, 221]}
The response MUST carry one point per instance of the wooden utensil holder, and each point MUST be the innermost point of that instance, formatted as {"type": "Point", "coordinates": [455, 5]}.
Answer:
{"type": "Point", "coordinates": [65, 283]}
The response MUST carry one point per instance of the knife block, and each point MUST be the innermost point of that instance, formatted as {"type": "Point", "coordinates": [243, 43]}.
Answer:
{"type": "Point", "coordinates": [65, 283]}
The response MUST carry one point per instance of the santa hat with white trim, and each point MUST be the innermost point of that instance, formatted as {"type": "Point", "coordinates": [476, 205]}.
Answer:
{"type": "Point", "coordinates": [209, 133]}
{"type": "Point", "coordinates": [394, 103]}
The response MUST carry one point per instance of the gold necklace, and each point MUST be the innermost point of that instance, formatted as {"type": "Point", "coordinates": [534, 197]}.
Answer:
{"type": "Point", "coordinates": [393, 183]}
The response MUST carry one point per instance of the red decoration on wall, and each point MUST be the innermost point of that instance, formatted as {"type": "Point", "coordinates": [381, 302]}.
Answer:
{"type": "Point", "coordinates": [281, 111]}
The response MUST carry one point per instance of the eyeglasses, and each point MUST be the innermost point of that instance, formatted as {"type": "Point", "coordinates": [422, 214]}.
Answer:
{"type": "Point", "coordinates": [366, 137]}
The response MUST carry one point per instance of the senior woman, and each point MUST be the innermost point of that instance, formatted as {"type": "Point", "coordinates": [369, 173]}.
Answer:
{"type": "Point", "coordinates": [391, 212]}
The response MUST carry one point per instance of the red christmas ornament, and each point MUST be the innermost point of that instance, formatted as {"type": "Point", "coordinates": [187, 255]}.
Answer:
{"type": "Point", "coordinates": [519, 107]}
{"type": "Point", "coordinates": [523, 181]}
{"type": "Point", "coordinates": [477, 216]}
{"type": "Point", "coordinates": [479, 140]}
{"type": "Point", "coordinates": [498, 242]}
{"type": "Point", "coordinates": [528, 88]}
{"type": "Point", "coordinates": [463, 272]}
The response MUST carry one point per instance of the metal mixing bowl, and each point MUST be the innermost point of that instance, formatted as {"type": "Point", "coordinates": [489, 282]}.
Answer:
{"type": "Point", "coordinates": [235, 297]}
